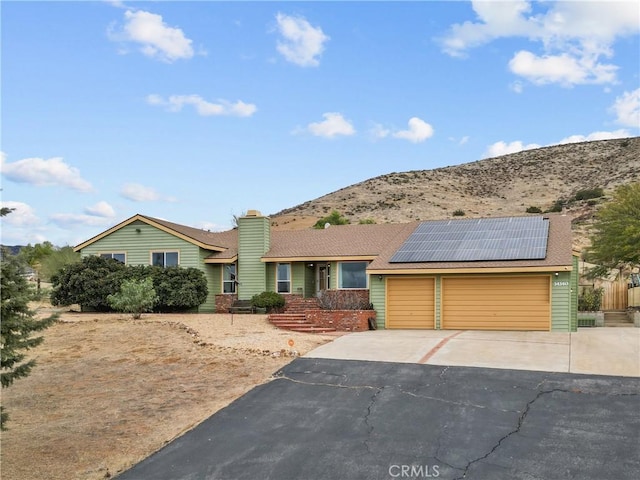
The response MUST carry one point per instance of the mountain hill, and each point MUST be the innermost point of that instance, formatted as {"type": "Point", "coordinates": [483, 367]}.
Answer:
{"type": "Point", "coordinates": [545, 178]}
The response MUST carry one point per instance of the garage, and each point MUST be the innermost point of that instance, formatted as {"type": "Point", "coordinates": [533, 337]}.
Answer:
{"type": "Point", "coordinates": [410, 303]}
{"type": "Point", "coordinates": [496, 303]}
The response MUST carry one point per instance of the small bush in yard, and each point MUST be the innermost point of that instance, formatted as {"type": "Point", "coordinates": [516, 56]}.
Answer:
{"type": "Point", "coordinates": [135, 297]}
{"type": "Point", "coordinates": [590, 300]}
{"type": "Point", "coordinates": [534, 210]}
{"type": "Point", "coordinates": [269, 300]}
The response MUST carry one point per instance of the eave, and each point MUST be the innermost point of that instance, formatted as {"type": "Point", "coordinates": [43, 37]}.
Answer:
{"type": "Point", "coordinates": [318, 259]}
{"type": "Point", "coordinates": [431, 271]}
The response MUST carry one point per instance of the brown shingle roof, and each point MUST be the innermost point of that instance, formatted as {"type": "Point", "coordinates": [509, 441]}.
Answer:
{"type": "Point", "coordinates": [333, 242]}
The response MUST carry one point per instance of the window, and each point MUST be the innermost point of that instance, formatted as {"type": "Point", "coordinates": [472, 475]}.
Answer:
{"type": "Point", "coordinates": [229, 279]}
{"type": "Point", "coordinates": [353, 275]}
{"type": "Point", "coordinates": [164, 259]}
{"type": "Point", "coordinates": [284, 278]}
{"type": "Point", "coordinates": [121, 257]}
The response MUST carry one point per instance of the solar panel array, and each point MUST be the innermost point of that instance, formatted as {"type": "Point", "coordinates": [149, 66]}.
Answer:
{"type": "Point", "coordinates": [515, 238]}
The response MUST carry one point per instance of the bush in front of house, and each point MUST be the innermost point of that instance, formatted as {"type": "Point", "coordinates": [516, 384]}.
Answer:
{"type": "Point", "coordinates": [135, 297]}
{"type": "Point", "coordinates": [344, 300]}
{"type": "Point", "coordinates": [87, 283]}
{"type": "Point", "coordinates": [178, 288]}
{"type": "Point", "coordinates": [90, 282]}
{"type": "Point", "coordinates": [590, 300]}
{"type": "Point", "coordinates": [268, 300]}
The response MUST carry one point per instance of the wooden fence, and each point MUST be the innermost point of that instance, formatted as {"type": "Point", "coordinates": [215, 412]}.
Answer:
{"type": "Point", "coordinates": [614, 295]}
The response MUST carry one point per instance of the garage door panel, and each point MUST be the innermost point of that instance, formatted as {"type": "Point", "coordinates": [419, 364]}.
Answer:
{"type": "Point", "coordinates": [410, 303]}
{"type": "Point", "coordinates": [496, 303]}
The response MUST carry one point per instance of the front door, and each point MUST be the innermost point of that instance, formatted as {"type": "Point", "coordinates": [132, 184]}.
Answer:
{"type": "Point", "coordinates": [323, 277]}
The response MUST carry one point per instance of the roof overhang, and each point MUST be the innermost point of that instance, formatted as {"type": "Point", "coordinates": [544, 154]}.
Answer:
{"type": "Point", "coordinates": [148, 221]}
{"type": "Point", "coordinates": [233, 259]}
{"type": "Point", "coordinates": [318, 259]}
{"type": "Point", "coordinates": [431, 271]}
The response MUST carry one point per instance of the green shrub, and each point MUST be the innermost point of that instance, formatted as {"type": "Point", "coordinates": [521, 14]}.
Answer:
{"type": "Point", "coordinates": [178, 288]}
{"type": "Point", "coordinates": [135, 297]}
{"type": "Point", "coordinates": [534, 210]}
{"type": "Point", "coordinates": [87, 283]}
{"type": "Point", "coordinates": [590, 300]}
{"type": "Point", "coordinates": [367, 221]}
{"type": "Point", "coordinates": [458, 213]}
{"type": "Point", "coordinates": [268, 300]}
{"type": "Point", "coordinates": [335, 218]}
{"type": "Point", "coordinates": [90, 282]}
{"type": "Point", "coordinates": [588, 193]}
{"type": "Point", "coordinates": [556, 207]}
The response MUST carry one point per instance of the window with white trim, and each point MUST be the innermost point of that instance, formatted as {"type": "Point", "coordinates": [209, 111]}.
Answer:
{"type": "Point", "coordinates": [119, 256]}
{"type": "Point", "coordinates": [164, 259]}
{"type": "Point", "coordinates": [352, 275]}
{"type": "Point", "coordinates": [229, 280]}
{"type": "Point", "coordinates": [284, 278]}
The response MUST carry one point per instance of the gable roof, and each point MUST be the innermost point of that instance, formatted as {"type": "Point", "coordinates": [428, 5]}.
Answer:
{"type": "Point", "coordinates": [216, 241]}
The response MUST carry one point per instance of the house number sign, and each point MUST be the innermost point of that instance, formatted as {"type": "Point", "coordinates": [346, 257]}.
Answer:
{"type": "Point", "coordinates": [560, 284]}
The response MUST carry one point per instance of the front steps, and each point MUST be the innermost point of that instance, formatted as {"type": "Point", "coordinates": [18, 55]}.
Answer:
{"type": "Point", "coordinates": [617, 318]}
{"type": "Point", "coordinates": [296, 322]}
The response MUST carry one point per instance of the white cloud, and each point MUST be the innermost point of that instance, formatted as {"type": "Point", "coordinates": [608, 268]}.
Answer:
{"type": "Point", "coordinates": [379, 131]}
{"type": "Point", "coordinates": [564, 69]}
{"type": "Point", "coordinates": [301, 43]}
{"type": "Point", "coordinates": [574, 37]}
{"type": "Point", "coordinates": [627, 109]}
{"type": "Point", "coordinates": [41, 172]}
{"type": "Point", "coordinates": [594, 136]}
{"type": "Point", "coordinates": [334, 124]}
{"type": "Point", "coordinates": [175, 103]}
{"type": "Point", "coordinates": [101, 209]}
{"type": "Point", "coordinates": [418, 131]}
{"type": "Point", "coordinates": [154, 37]}
{"type": "Point", "coordinates": [503, 148]}
{"type": "Point", "coordinates": [139, 193]}
{"type": "Point", "coordinates": [22, 215]}
{"type": "Point", "coordinates": [72, 219]}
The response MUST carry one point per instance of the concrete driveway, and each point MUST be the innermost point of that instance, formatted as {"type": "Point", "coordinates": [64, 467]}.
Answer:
{"type": "Point", "coordinates": [601, 351]}
{"type": "Point", "coordinates": [325, 419]}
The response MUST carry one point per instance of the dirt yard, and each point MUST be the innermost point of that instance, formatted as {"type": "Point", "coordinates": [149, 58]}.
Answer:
{"type": "Point", "coordinates": [108, 391]}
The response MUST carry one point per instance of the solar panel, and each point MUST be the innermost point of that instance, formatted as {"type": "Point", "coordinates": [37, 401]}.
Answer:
{"type": "Point", "coordinates": [514, 238]}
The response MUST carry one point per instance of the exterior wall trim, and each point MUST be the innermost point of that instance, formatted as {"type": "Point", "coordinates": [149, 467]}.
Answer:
{"type": "Point", "coordinates": [487, 270]}
{"type": "Point", "coordinates": [317, 259]}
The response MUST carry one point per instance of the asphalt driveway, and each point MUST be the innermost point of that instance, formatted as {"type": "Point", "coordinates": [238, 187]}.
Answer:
{"type": "Point", "coordinates": [350, 419]}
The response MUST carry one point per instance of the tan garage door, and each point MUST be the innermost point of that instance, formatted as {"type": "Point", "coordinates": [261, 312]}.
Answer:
{"type": "Point", "coordinates": [410, 303]}
{"type": "Point", "coordinates": [496, 303]}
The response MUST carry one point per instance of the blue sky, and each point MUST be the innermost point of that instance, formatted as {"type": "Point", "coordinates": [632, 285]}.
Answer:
{"type": "Point", "coordinates": [198, 111]}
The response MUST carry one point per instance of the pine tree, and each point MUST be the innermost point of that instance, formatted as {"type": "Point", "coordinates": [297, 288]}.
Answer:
{"type": "Point", "coordinates": [18, 322]}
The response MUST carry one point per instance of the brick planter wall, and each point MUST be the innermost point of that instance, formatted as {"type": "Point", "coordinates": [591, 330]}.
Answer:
{"type": "Point", "coordinates": [224, 302]}
{"type": "Point", "coordinates": [342, 320]}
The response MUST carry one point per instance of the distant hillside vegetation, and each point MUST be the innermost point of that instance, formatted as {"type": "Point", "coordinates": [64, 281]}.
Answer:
{"type": "Point", "coordinates": [543, 179]}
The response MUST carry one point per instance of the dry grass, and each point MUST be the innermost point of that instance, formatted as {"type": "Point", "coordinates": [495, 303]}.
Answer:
{"type": "Point", "coordinates": [108, 391]}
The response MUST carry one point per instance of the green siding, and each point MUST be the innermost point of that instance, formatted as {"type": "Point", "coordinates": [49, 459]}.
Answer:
{"type": "Point", "coordinates": [254, 241]}
{"type": "Point", "coordinates": [377, 297]}
{"type": "Point", "coordinates": [297, 278]}
{"type": "Point", "coordinates": [573, 312]}
{"type": "Point", "coordinates": [560, 301]}
{"type": "Point", "coordinates": [309, 282]}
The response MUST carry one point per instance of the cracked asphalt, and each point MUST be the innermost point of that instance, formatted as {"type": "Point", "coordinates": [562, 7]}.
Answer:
{"type": "Point", "coordinates": [344, 419]}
